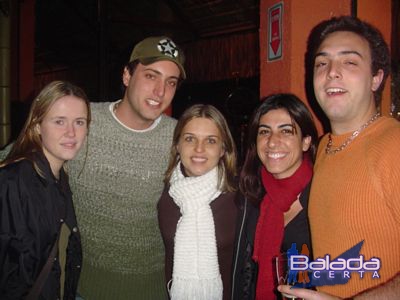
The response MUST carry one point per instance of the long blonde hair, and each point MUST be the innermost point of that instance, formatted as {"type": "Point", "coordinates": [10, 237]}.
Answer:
{"type": "Point", "coordinates": [29, 141]}
{"type": "Point", "coordinates": [227, 164]}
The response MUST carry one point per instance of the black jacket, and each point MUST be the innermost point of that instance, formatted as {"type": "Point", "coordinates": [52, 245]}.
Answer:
{"type": "Point", "coordinates": [244, 275]}
{"type": "Point", "coordinates": [32, 209]}
{"type": "Point", "coordinates": [245, 270]}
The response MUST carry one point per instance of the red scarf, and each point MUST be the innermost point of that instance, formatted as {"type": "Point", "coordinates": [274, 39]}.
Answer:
{"type": "Point", "coordinates": [281, 193]}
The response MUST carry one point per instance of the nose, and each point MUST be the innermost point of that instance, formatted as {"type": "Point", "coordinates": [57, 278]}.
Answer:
{"type": "Point", "coordinates": [70, 130]}
{"type": "Point", "coordinates": [159, 88]}
{"type": "Point", "coordinates": [334, 70]}
{"type": "Point", "coordinates": [199, 147]}
{"type": "Point", "coordinates": [273, 140]}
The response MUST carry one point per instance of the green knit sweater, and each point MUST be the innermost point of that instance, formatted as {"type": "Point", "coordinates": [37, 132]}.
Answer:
{"type": "Point", "coordinates": [115, 195]}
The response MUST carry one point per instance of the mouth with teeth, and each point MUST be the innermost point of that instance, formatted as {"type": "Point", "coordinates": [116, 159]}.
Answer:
{"type": "Point", "coordinates": [70, 145]}
{"type": "Point", "coordinates": [153, 102]}
{"type": "Point", "coordinates": [276, 155]}
{"type": "Point", "coordinates": [199, 159]}
{"type": "Point", "coordinates": [335, 91]}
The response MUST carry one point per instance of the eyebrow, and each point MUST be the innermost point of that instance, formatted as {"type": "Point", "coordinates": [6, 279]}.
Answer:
{"type": "Point", "coordinates": [280, 126]}
{"type": "Point", "coordinates": [345, 52]}
{"type": "Point", "coordinates": [64, 117]}
{"type": "Point", "coordinates": [211, 135]}
{"type": "Point", "coordinates": [159, 73]}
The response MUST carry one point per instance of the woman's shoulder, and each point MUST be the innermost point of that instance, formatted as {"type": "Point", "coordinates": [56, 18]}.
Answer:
{"type": "Point", "coordinates": [165, 201]}
{"type": "Point", "coordinates": [305, 194]}
{"type": "Point", "coordinates": [231, 196]}
{"type": "Point", "coordinates": [19, 168]}
{"type": "Point", "coordinates": [241, 201]}
{"type": "Point", "coordinates": [15, 178]}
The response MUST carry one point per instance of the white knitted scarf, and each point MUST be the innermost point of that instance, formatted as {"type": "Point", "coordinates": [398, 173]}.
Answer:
{"type": "Point", "coordinates": [196, 274]}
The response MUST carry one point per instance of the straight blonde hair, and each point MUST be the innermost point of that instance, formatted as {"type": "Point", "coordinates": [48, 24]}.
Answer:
{"type": "Point", "coordinates": [29, 140]}
{"type": "Point", "coordinates": [227, 164]}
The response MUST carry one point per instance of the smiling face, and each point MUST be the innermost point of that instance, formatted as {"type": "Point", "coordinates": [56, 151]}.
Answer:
{"type": "Point", "coordinates": [343, 80]}
{"type": "Point", "coordinates": [200, 146]}
{"type": "Point", "coordinates": [280, 144]}
{"type": "Point", "coordinates": [63, 130]}
{"type": "Point", "coordinates": [149, 91]}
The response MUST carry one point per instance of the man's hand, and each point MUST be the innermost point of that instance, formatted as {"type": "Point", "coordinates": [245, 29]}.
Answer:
{"type": "Point", "coordinates": [305, 293]}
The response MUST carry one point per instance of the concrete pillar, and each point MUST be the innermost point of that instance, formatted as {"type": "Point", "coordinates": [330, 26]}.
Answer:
{"type": "Point", "coordinates": [5, 41]}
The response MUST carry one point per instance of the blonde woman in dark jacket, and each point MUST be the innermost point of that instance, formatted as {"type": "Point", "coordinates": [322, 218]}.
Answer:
{"type": "Point", "coordinates": [40, 247]}
{"type": "Point", "coordinates": [197, 211]}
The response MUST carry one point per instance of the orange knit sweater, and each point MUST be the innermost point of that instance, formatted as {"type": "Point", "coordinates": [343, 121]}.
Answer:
{"type": "Point", "coordinates": [355, 196]}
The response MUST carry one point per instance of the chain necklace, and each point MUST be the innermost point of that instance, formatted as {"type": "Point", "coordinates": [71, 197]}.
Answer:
{"type": "Point", "coordinates": [329, 150]}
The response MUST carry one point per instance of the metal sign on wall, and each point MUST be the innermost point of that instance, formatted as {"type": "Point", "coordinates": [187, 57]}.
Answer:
{"type": "Point", "coordinates": [275, 15]}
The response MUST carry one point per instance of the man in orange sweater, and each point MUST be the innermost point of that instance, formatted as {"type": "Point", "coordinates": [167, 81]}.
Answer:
{"type": "Point", "coordinates": [355, 195]}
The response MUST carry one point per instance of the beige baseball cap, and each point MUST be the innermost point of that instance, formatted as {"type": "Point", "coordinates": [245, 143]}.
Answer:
{"type": "Point", "coordinates": [158, 48]}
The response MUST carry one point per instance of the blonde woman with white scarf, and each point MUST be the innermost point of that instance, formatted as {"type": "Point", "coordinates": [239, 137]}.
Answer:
{"type": "Point", "coordinates": [197, 211]}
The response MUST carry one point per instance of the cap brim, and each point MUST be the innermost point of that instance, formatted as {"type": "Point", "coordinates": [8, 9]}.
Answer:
{"type": "Point", "coordinates": [149, 60]}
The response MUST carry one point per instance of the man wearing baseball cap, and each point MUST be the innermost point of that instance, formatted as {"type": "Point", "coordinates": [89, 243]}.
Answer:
{"type": "Point", "coordinates": [118, 181]}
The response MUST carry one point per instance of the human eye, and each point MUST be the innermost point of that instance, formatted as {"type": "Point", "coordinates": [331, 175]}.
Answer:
{"type": "Point", "coordinates": [188, 138]}
{"type": "Point", "coordinates": [172, 83]}
{"type": "Point", "coordinates": [350, 62]}
{"type": "Point", "coordinates": [212, 141]}
{"type": "Point", "coordinates": [59, 122]}
{"type": "Point", "coordinates": [149, 76]}
{"type": "Point", "coordinates": [263, 131]}
{"type": "Point", "coordinates": [320, 61]}
{"type": "Point", "coordinates": [81, 122]}
{"type": "Point", "coordinates": [287, 131]}
{"type": "Point", "coordinates": [319, 64]}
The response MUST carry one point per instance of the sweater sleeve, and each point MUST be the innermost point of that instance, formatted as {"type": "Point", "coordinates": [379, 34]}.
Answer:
{"type": "Point", "coordinates": [388, 169]}
{"type": "Point", "coordinates": [168, 216]}
{"type": "Point", "coordinates": [4, 152]}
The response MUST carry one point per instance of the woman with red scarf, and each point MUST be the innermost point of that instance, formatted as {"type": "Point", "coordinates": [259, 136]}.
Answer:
{"type": "Point", "coordinates": [275, 178]}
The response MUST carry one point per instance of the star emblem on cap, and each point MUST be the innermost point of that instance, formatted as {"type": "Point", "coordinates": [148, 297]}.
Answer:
{"type": "Point", "coordinates": [168, 48]}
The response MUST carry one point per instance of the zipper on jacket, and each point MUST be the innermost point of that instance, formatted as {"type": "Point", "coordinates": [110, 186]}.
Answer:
{"type": "Point", "coordinates": [238, 247]}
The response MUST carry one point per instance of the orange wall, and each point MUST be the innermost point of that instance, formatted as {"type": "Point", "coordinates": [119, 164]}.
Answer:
{"type": "Point", "coordinates": [299, 17]}
{"type": "Point", "coordinates": [379, 14]}
{"type": "Point", "coordinates": [274, 75]}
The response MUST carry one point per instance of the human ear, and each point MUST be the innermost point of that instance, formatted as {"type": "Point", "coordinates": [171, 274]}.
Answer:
{"type": "Point", "coordinates": [126, 76]}
{"type": "Point", "coordinates": [377, 80]}
{"type": "Point", "coordinates": [177, 149]}
{"type": "Point", "coordinates": [37, 129]}
{"type": "Point", "coordinates": [306, 143]}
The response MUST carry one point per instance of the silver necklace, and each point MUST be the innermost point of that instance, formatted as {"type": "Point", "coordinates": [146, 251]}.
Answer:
{"type": "Point", "coordinates": [329, 150]}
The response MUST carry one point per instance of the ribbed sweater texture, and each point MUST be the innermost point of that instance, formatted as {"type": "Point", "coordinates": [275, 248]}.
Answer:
{"type": "Point", "coordinates": [115, 195]}
{"type": "Point", "coordinates": [355, 196]}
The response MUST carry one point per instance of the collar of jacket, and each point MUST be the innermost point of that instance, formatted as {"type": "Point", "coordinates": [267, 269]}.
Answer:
{"type": "Point", "coordinates": [47, 177]}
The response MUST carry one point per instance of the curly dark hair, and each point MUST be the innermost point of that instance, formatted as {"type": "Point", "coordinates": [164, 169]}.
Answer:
{"type": "Point", "coordinates": [380, 55]}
